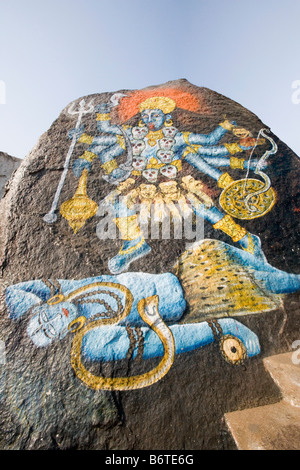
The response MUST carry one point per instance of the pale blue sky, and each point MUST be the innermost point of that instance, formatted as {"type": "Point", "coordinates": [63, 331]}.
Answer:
{"type": "Point", "coordinates": [54, 51]}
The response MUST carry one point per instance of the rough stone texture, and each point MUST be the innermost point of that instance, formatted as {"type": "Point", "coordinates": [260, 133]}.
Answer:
{"type": "Point", "coordinates": [43, 404]}
{"type": "Point", "coordinates": [276, 426]}
{"type": "Point", "coordinates": [284, 370]}
{"type": "Point", "coordinates": [271, 427]}
{"type": "Point", "coordinates": [8, 165]}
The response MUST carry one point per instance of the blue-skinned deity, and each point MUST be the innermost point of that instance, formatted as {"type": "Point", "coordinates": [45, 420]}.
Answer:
{"type": "Point", "coordinates": [141, 316]}
{"type": "Point", "coordinates": [152, 179]}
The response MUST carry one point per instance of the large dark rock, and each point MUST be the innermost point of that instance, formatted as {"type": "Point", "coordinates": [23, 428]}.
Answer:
{"type": "Point", "coordinates": [8, 165]}
{"type": "Point", "coordinates": [45, 401]}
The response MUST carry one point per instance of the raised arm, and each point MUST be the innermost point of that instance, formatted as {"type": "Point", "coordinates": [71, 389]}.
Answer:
{"type": "Point", "coordinates": [105, 147]}
{"type": "Point", "coordinates": [104, 120]}
{"type": "Point", "coordinates": [209, 139]}
{"type": "Point", "coordinates": [107, 156]}
{"type": "Point", "coordinates": [21, 297]}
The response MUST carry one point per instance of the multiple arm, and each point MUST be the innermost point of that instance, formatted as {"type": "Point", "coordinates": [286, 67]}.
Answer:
{"type": "Point", "coordinates": [206, 146]}
{"type": "Point", "coordinates": [105, 147]}
{"type": "Point", "coordinates": [213, 137]}
{"type": "Point", "coordinates": [214, 156]}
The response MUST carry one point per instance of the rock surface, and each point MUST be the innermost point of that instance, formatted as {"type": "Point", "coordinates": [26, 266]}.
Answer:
{"type": "Point", "coordinates": [276, 426]}
{"type": "Point", "coordinates": [47, 399]}
{"type": "Point", "coordinates": [8, 165]}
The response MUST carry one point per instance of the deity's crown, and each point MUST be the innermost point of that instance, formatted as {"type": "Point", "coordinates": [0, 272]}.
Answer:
{"type": "Point", "coordinates": [167, 105]}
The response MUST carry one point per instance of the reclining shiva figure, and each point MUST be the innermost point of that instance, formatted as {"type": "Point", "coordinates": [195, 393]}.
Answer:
{"type": "Point", "coordinates": [140, 315]}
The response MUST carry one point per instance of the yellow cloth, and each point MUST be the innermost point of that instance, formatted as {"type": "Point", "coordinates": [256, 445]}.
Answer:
{"type": "Point", "coordinates": [231, 228]}
{"type": "Point", "coordinates": [217, 286]}
{"type": "Point", "coordinates": [103, 117]}
{"type": "Point", "coordinates": [108, 167]}
{"type": "Point", "coordinates": [89, 156]}
{"type": "Point", "coordinates": [233, 148]}
{"type": "Point", "coordinates": [128, 227]}
{"type": "Point", "coordinates": [86, 139]}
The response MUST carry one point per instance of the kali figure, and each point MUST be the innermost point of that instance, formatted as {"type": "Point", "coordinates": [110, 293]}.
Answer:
{"type": "Point", "coordinates": [152, 176]}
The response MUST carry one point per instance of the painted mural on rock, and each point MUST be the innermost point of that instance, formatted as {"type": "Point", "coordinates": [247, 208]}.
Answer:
{"type": "Point", "coordinates": [141, 316]}
{"type": "Point", "coordinates": [158, 171]}
{"type": "Point", "coordinates": [152, 178]}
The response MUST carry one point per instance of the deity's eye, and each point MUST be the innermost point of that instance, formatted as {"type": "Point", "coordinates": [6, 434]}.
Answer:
{"type": "Point", "coordinates": [51, 330]}
{"type": "Point", "coordinates": [43, 316]}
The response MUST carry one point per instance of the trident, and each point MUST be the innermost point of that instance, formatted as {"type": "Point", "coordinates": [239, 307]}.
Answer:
{"type": "Point", "coordinates": [51, 217]}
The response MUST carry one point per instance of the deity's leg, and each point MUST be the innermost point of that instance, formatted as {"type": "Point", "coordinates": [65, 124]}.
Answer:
{"type": "Point", "coordinates": [134, 244]}
{"type": "Point", "coordinates": [248, 242]}
{"type": "Point", "coordinates": [238, 234]}
{"type": "Point", "coordinates": [187, 337]}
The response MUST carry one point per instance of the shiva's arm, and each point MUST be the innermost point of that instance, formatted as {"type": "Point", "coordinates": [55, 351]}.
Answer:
{"type": "Point", "coordinates": [187, 337]}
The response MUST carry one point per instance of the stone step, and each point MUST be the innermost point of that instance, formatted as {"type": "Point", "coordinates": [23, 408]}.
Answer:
{"type": "Point", "coordinates": [275, 426]}
{"type": "Point", "coordinates": [285, 372]}
{"type": "Point", "coordinates": [270, 427]}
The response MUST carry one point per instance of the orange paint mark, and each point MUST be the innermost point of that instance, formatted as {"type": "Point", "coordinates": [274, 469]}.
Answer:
{"type": "Point", "coordinates": [129, 105]}
{"type": "Point", "coordinates": [65, 312]}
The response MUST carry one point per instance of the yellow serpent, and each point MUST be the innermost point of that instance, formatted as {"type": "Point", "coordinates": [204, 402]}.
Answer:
{"type": "Point", "coordinates": [148, 310]}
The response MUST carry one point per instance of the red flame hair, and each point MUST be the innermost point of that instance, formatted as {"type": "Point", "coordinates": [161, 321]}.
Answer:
{"type": "Point", "coordinates": [129, 105]}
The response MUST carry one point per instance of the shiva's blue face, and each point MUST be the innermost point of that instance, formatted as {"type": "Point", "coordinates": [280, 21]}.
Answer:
{"type": "Point", "coordinates": [154, 118]}
{"type": "Point", "coordinates": [50, 322]}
